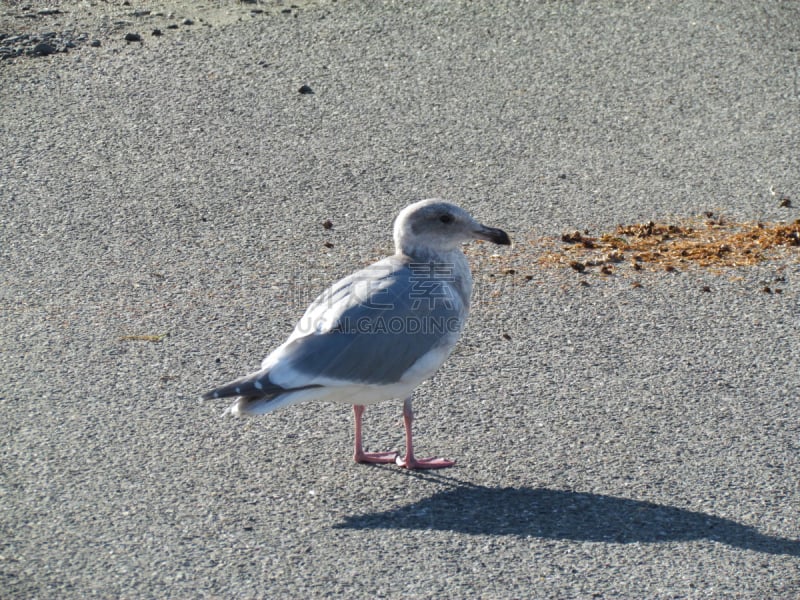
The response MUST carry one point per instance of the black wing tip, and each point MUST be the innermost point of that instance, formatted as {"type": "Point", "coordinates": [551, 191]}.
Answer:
{"type": "Point", "coordinates": [255, 385]}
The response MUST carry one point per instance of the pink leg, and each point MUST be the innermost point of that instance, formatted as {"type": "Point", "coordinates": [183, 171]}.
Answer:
{"type": "Point", "coordinates": [368, 457]}
{"type": "Point", "coordinates": [409, 462]}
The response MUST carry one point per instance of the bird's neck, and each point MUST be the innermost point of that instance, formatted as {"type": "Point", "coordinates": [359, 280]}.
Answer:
{"type": "Point", "coordinates": [424, 254]}
{"type": "Point", "coordinates": [451, 266]}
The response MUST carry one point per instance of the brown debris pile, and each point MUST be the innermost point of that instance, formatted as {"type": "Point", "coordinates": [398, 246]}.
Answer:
{"type": "Point", "coordinates": [714, 242]}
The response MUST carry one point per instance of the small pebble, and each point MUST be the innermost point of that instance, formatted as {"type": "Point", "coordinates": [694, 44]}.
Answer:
{"type": "Point", "coordinates": [188, 22]}
{"type": "Point", "coordinates": [133, 37]}
{"type": "Point", "coordinates": [43, 49]}
{"type": "Point", "coordinates": [305, 89]}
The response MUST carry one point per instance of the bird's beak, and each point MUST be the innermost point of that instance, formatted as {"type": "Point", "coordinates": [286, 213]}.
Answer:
{"type": "Point", "coordinates": [492, 234]}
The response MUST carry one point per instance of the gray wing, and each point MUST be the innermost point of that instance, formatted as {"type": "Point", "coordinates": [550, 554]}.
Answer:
{"type": "Point", "coordinates": [375, 325]}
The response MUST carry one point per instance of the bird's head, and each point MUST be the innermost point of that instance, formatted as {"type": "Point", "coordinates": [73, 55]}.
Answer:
{"type": "Point", "coordinates": [435, 226]}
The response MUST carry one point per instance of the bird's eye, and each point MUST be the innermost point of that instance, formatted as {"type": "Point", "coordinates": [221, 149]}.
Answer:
{"type": "Point", "coordinates": [446, 219]}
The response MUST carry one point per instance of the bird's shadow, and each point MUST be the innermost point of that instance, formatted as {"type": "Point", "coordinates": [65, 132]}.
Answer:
{"type": "Point", "coordinates": [566, 515]}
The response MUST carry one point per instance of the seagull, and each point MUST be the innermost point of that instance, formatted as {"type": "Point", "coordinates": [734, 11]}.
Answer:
{"type": "Point", "coordinates": [378, 333]}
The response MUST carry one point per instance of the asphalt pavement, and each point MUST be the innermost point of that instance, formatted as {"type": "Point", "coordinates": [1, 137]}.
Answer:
{"type": "Point", "coordinates": [163, 225]}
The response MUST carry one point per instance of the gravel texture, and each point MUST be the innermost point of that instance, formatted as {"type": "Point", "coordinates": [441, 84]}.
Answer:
{"type": "Point", "coordinates": [170, 206]}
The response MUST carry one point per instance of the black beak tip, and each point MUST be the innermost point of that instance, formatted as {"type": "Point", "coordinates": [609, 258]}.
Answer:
{"type": "Point", "coordinates": [500, 237]}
